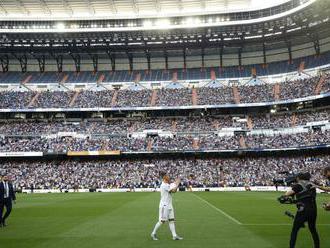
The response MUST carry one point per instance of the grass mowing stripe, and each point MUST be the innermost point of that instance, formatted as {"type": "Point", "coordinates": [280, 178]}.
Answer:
{"type": "Point", "coordinates": [218, 209]}
{"type": "Point", "coordinates": [86, 220]}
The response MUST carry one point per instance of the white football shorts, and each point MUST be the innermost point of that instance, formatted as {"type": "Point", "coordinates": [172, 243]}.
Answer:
{"type": "Point", "coordinates": [166, 213]}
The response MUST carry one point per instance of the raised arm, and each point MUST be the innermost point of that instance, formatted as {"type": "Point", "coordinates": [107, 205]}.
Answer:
{"type": "Point", "coordinates": [174, 188]}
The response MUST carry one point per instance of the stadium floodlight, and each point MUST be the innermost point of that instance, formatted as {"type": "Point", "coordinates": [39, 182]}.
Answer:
{"type": "Point", "coordinates": [60, 26]}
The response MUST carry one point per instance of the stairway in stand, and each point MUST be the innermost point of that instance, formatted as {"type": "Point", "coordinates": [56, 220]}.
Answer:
{"type": "Point", "coordinates": [277, 91]}
{"type": "Point", "coordinates": [319, 85]}
{"type": "Point", "coordinates": [173, 128]}
{"type": "Point", "coordinates": [34, 98]}
{"type": "Point", "coordinates": [153, 98]}
{"type": "Point", "coordinates": [242, 143]}
{"type": "Point", "coordinates": [237, 98]}
{"type": "Point", "coordinates": [195, 143]}
{"type": "Point", "coordinates": [114, 98]}
{"type": "Point", "coordinates": [73, 99]}
{"type": "Point", "coordinates": [149, 145]}
{"type": "Point", "coordinates": [194, 96]}
{"type": "Point", "coordinates": [249, 123]}
{"type": "Point", "coordinates": [294, 120]}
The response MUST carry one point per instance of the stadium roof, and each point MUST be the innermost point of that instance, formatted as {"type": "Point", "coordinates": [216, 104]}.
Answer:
{"type": "Point", "coordinates": [292, 23]}
{"type": "Point", "coordinates": [112, 9]}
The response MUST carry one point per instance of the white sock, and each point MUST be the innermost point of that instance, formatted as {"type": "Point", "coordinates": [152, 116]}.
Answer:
{"type": "Point", "coordinates": [157, 226]}
{"type": "Point", "coordinates": [172, 228]}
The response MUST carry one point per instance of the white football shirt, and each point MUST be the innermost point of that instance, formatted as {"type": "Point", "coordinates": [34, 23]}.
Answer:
{"type": "Point", "coordinates": [165, 195]}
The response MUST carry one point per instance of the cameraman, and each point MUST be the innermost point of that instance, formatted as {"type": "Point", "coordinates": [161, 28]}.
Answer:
{"type": "Point", "coordinates": [305, 194]}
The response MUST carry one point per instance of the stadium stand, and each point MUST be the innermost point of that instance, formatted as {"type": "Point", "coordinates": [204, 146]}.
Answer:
{"type": "Point", "coordinates": [142, 173]}
{"type": "Point", "coordinates": [165, 97]}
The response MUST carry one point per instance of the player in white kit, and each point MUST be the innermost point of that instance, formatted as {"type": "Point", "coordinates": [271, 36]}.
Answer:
{"type": "Point", "coordinates": [166, 212]}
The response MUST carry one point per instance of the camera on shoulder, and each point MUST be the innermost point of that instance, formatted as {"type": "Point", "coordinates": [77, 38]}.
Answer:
{"type": "Point", "coordinates": [292, 178]}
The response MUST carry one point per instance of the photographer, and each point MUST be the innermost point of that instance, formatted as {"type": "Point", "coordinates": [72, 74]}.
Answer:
{"type": "Point", "coordinates": [305, 198]}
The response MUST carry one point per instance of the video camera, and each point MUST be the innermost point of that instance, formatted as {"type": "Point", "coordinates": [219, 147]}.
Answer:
{"type": "Point", "coordinates": [286, 200]}
{"type": "Point", "coordinates": [286, 181]}
{"type": "Point", "coordinates": [290, 178]}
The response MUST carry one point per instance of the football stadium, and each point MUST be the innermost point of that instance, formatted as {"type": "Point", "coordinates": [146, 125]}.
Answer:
{"type": "Point", "coordinates": [165, 123]}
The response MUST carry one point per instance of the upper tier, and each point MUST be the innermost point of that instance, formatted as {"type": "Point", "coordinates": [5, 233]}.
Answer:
{"type": "Point", "coordinates": [214, 93]}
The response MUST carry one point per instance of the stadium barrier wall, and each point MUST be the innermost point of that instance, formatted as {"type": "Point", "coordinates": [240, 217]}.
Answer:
{"type": "Point", "coordinates": [224, 189]}
{"type": "Point", "coordinates": [210, 189]}
{"type": "Point", "coordinates": [21, 154]}
{"type": "Point", "coordinates": [317, 149]}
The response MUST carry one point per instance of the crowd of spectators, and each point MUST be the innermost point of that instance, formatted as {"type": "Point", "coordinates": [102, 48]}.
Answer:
{"type": "Point", "coordinates": [92, 99]}
{"type": "Point", "coordinates": [275, 121]}
{"type": "Point", "coordinates": [165, 124]}
{"type": "Point", "coordinates": [15, 99]}
{"type": "Point", "coordinates": [326, 86]}
{"type": "Point", "coordinates": [298, 88]}
{"type": "Point", "coordinates": [63, 144]}
{"type": "Point", "coordinates": [53, 99]}
{"type": "Point", "coordinates": [215, 142]}
{"type": "Point", "coordinates": [69, 174]}
{"type": "Point", "coordinates": [165, 97]}
{"type": "Point", "coordinates": [197, 124]}
{"type": "Point", "coordinates": [133, 98]}
{"type": "Point", "coordinates": [256, 93]}
{"type": "Point", "coordinates": [174, 97]}
{"type": "Point", "coordinates": [206, 141]}
{"type": "Point", "coordinates": [215, 96]}
{"type": "Point", "coordinates": [310, 138]}
{"type": "Point", "coordinates": [172, 143]}
{"type": "Point", "coordinates": [312, 116]}
{"type": "Point", "coordinates": [54, 127]}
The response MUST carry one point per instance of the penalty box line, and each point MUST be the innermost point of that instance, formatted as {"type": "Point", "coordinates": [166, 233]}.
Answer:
{"type": "Point", "coordinates": [218, 210]}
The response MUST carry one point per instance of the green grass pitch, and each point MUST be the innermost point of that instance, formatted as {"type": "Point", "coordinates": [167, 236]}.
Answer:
{"type": "Point", "coordinates": [204, 219]}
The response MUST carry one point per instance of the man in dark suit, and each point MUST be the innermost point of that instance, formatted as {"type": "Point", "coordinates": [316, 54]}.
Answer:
{"type": "Point", "coordinates": [7, 196]}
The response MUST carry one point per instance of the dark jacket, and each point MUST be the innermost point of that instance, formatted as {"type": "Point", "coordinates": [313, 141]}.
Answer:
{"type": "Point", "coordinates": [12, 195]}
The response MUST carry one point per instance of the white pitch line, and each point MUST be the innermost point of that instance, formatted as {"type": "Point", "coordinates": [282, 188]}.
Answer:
{"type": "Point", "coordinates": [219, 210]}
